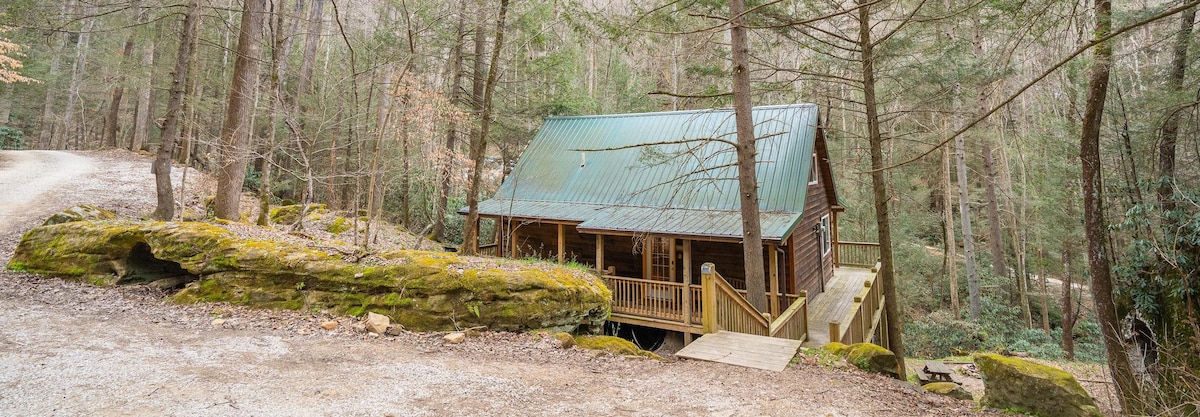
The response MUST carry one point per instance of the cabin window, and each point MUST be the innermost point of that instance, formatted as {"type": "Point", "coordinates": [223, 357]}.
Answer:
{"type": "Point", "coordinates": [662, 265]}
{"type": "Point", "coordinates": [826, 236]}
{"type": "Point", "coordinates": [812, 171]}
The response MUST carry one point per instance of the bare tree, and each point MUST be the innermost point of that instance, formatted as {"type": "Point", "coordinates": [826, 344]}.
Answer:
{"type": "Point", "coordinates": [756, 288]}
{"type": "Point", "coordinates": [235, 133]}
{"type": "Point", "coordinates": [479, 142]}
{"type": "Point", "coordinates": [1095, 227]}
{"type": "Point", "coordinates": [170, 133]}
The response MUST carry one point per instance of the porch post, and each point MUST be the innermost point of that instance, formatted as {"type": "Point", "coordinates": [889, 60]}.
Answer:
{"type": "Point", "coordinates": [774, 265]}
{"type": "Point", "coordinates": [512, 236]}
{"type": "Point", "coordinates": [562, 243]}
{"type": "Point", "coordinates": [600, 254]}
{"type": "Point", "coordinates": [687, 290]}
{"type": "Point", "coordinates": [837, 259]}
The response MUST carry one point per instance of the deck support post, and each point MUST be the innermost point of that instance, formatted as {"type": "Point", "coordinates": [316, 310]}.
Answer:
{"type": "Point", "coordinates": [562, 243]}
{"type": "Point", "coordinates": [708, 290]}
{"type": "Point", "coordinates": [686, 308]}
{"type": "Point", "coordinates": [600, 254]}
{"type": "Point", "coordinates": [774, 276]}
{"type": "Point", "coordinates": [835, 331]}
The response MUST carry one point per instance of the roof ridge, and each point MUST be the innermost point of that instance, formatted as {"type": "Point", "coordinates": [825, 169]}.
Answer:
{"type": "Point", "coordinates": [678, 112]}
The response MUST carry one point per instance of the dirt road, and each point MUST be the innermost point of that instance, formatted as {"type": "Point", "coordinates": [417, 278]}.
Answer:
{"type": "Point", "coordinates": [68, 349]}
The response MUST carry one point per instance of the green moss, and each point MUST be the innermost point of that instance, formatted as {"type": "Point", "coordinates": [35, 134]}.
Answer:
{"type": "Point", "coordinates": [614, 345]}
{"type": "Point", "coordinates": [948, 389]}
{"type": "Point", "coordinates": [836, 348]}
{"type": "Point", "coordinates": [872, 358]}
{"type": "Point", "coordinates": [339, 225]}
{"type": "Point", "coordinates": [1018, 384]}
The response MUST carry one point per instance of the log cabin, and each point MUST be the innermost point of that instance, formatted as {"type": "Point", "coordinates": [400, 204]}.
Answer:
{"type": "Point", "coordinates": [647, 199]}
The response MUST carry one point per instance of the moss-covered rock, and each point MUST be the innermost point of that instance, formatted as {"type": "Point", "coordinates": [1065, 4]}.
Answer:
{"type": "Point", "coordinates": [80, 213]}
{"type": "Point", "coordinates": [289, 214]}
{"type": "Point", "coordinates": [836, 348]}
{"type": "Point", "coordinates": [1029, 387]}
{"type": "Point", "coordinates": [949, 389]}
{"type": "Point", "coordinates": [339, 225]}
{"type": "Point", "coordinates": [873, 358]}
{"type": "Point", "coordinates": [422, 291]}
{"type": "Point", "coordinates": [614, 345]}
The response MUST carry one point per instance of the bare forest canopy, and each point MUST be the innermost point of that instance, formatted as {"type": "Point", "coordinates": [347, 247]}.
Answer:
{"type": "Point", "coordinates": [979, 110]}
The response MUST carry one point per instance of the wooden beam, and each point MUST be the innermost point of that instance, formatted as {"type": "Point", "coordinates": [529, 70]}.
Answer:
{"type": "Point", "coordinates": [837, 260]}
{"type": "Point", "coordinates": [600, 253]}
{"type": "Point", "coordinates": [774, 266]}
{"type": "Point", "coordinates": [562, 243]}
{"type": "Point", "coordinates": [515, 251]}
{"type": "Point", "coordinates": [687, 289]}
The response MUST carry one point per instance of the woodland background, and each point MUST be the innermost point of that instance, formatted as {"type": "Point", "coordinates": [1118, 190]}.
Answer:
{"type": "Point", "coordinates": [386, 106]}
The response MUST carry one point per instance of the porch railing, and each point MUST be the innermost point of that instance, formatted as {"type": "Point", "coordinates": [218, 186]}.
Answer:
{"type": "Point", "coordinates": [864, 254]}
{"type": "Point", "coordinates": [865, 319]}
{"type": "Point", "coordinates": [684, 305]}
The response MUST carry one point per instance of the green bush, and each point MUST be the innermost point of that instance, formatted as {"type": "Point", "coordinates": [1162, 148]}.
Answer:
{"type": "Point", "coordinates": [12, 139]}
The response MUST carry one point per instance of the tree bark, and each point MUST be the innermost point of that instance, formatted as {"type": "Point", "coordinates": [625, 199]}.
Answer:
{"type": "Point", "coordinates": [964, 213]}
{"type": "Point", "coordinates": [179, 78]}
{"type": "Point", "coordinates": [756, 288]}
{"type": "Point", "coordinates": [6, 103]}
{"type": "Point", "coordinates": [235, 132]}
{"type": "Point", "coordinates": [479, 143]}
{"type": "Point", "coordinates": [1068, 312]}
{"type": "Point", "coordinates": [112, 120]}
{"type": "Point", "coordinates": [951, 243]}
{"type": "Point", "coordinates": [71, 132]}
{"type": "Point", "coordinates": [1170, 128]}
{"type": "Point", "coordinates": [895, 324]}
{"type": "Point", "coordinates": [141, 124]}
{"type": "Point", "coordinates": [1095, 227]}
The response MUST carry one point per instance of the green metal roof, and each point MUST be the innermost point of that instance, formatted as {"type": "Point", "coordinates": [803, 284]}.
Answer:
{"type": "Point", "coordinates": [651, 173]}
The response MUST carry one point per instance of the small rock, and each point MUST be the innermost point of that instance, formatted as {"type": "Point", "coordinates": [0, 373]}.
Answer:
{"type": "Point", "coordinates": [564, 340]}
{"type": "Point", "coordinates": [456, 337]}
{"type": "Point", "coordinates": [377, 323]}
{"type": "Point", "coordinates": [949, 389]}
{"type": "Point", "coordinates": [329, 325]}
{"type": "Point", "coordinates": [359, 328]}
{"type": "Point", "coordinates": [218, 322]}
{"type": "Point", "coordinates": [394, 330]}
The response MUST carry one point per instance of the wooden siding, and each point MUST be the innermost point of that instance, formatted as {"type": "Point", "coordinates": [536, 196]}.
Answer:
{"type": "Point", "coordinates": [810, 269]}
{"type": "Point", "coordinates": [540, 240]}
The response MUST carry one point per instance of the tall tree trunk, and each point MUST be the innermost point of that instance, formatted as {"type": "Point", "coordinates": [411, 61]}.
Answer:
{"type": "Point", "coordinates": [479, 142]}
{"type": "Point", "coordinates": [447, 159]}
{"type": "Point", "coordinates": [179, 79]}
{"type": "Point", "coordinates": [752, 248]}
{"type": "Point", "coordinates": [6, 103]}
{"type": "Point", "coordinates": [72, 134]}
{"type": "Point", "coordinates": [895, 325]}
{"type": "Point", "coordinates": [141, 124]}
{"type": "Point", "coordinates": [995, 236]}
{"type": "Point", "coordinates": [951, 243]}
{"type": "Point", "coordinates": [47, 125]}
{"type": "Point", "coordinates": [1095, 227]}
{"type": "Point", "coordinates": [316, 18]}
{"type": "Point", "coordinates": [112, 121]}
{"type": "Point", "coordinates": [1069, 314]}
{"type": "Point", "coordinates": [1045, 292]}
{"type": "Point", "coordinates": [1170, 128]}
{"type": "Point", "coordinates": [964, 213]}
{"type": "Point", "coordinates": [235, 133]}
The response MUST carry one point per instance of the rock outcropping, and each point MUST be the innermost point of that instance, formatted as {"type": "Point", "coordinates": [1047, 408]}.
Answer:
{"type": "Point", "coordinates": [1026, 386]}
{"type": "Point", "coordinates": [421, 291]}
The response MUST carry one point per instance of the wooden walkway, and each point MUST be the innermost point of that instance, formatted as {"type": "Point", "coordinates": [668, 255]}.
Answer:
{"type": "Point", "coordinates": [834, 303]}
{"type": "Point", "coordinates": [740, 349]}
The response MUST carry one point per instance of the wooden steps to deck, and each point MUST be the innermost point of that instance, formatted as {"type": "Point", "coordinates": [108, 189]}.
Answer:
{"type": "Point", "coordinates": [740, 349]}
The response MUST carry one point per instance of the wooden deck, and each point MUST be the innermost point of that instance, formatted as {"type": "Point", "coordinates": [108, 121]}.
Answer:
{"type": "Point", "coordinates": [740, 349]}
{"type": "Point", "coordinates": [835, 303]}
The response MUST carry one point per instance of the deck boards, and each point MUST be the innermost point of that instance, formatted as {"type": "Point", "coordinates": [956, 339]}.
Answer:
{"type": "Point", "coordinates": [834, 303]}
{"type": "Point", "coordinates": [740, 349]}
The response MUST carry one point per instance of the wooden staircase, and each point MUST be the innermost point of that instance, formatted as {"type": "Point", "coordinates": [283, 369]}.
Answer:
{"type": "Point", "coordinates": [736, 333]}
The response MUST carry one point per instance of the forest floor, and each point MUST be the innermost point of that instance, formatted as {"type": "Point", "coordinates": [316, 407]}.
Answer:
{"type": "Point", "coordinates": [73, 349]}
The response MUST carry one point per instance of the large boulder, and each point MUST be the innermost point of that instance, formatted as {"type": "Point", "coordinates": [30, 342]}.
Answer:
{"type": "Point", "coordinates": [80, 213]}
{"type": "Point", "coordinates": [421, 291]}
{"type": "Point", "coordinates": [1025, 386]}
{"type": "Point", "coordinates": [948, 389]}
{"type": "Point", "coordinates": [873, 358]}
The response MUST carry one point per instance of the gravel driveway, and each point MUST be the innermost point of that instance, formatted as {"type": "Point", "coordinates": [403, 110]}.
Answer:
{"type": "Point", "coordinates": [68, 349]}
